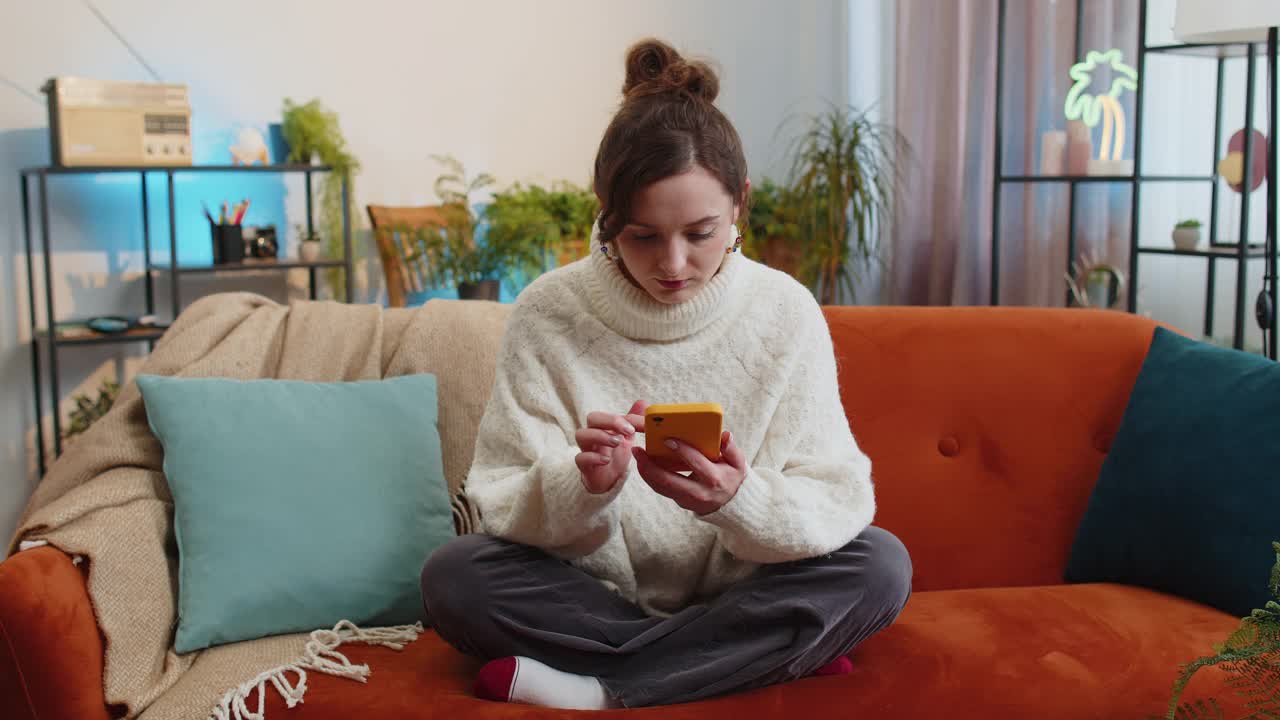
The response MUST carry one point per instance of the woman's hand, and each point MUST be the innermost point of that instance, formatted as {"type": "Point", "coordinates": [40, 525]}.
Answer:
{"type": "Point", "coordinates": [711, 485]}
{"type": "Point", "coordinates": [606, 444]}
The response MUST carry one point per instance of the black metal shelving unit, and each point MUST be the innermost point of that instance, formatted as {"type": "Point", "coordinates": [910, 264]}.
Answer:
{"type": "Point", "coordinates": [1073, 181]}
{"type": "Point", "coordinates": [1243, 249]}
{"type": "Point", "coordinates": [45, 335]}
{"type": "Point", "coordinates": [1240, 252]}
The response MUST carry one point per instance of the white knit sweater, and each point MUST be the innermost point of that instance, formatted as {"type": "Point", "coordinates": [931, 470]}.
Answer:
{"type": "Point", "coordinates": [582, 339]}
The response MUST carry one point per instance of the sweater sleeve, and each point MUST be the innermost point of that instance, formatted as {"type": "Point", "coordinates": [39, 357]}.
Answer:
{"type": "Point", "coordinates": [523, 478]}
{"type": "Point", "coordinates": [821, 496]}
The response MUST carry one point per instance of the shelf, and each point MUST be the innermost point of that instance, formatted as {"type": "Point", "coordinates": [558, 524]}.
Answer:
{"type": "Point", "coordinates": [248, 266]}
{"type": "Point", "coordinates": [89, 337]}
{"type": "Point", "coordinates": [1104, 178]}
{"type": "Point", "coordinates": [1177, 178]}
{"type": "Point", "coordinates": [1199, 180]}
{"type": "Point", "coordinates": [91, 169]}
{"type": "Point", "coordinates": [59, 337]}
{"type": "Point", "coordinates": [1065, 178]}
{"type": "Point", "coordinates": [1209, 50]}
{"type": "Point", "coordinates": [1229, 253]}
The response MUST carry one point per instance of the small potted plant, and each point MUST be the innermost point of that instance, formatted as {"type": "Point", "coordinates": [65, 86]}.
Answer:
{"type": "Point", "coordinates": [1186, 235]}
{"type": "Point", "coordinates": [1095, 284]}
{"type": "Point", "coordinates": [308, 244]}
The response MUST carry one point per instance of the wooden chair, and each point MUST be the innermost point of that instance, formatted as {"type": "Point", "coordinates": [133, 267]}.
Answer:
{"type": "Point", "coordinates": [393, 229]}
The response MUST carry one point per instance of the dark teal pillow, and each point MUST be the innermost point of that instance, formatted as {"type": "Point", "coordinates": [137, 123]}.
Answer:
{"type": "Point", "coordinates": [298, 504]}
{"type": "Point", "coordinates": [1188, 500]}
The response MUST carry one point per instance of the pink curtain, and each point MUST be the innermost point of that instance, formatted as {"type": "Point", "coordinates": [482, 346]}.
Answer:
{"type": "Point", "coordinates": [945, 107]}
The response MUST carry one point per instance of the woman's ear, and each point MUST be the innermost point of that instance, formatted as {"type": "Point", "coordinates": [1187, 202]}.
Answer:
{"type": "Point", "coordinates": [740, 207]}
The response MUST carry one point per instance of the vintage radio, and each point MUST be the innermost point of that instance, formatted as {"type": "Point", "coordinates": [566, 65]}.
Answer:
{"type": "Point", "coordinates": [100, 122]}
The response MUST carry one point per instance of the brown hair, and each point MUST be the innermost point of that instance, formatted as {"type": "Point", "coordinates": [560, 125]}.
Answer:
{"type": "Point", "coordinates": [667, 125]}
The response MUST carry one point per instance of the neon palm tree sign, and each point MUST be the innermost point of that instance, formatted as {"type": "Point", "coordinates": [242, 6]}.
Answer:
{"type": "Point", "coordinates": [1089, 109]}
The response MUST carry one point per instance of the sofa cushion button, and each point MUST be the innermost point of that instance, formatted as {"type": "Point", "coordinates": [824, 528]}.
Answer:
{"type": "Point", "coordinates": [1102, 442]}
{"type": "Point", "coordinates": [949, 446]}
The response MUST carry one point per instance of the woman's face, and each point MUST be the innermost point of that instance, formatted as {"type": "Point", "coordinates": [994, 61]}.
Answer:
{"type": "Point", "coordinates": [679, 230]}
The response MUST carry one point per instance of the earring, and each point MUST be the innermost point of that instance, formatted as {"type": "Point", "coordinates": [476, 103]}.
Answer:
{"type": "Point", "coordinates": [737, 241]}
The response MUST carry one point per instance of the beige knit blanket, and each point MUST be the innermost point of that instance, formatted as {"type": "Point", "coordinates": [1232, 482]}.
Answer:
{"type": "Point", "coordinates": [106, 498]}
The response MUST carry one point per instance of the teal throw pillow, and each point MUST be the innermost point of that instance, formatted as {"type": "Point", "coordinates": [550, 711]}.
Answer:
{"type": "Point", "coordinates": [1188, 499]}
{"type": "Point", "coordinates": [298, 504]}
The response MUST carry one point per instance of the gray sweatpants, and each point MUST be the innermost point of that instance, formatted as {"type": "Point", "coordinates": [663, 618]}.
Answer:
{"type": "Point", "coordinates": [490, 598]}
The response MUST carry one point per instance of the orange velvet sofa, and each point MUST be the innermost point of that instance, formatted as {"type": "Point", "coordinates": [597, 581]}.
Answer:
{"type": "Point", "coordinates": [987, 428]}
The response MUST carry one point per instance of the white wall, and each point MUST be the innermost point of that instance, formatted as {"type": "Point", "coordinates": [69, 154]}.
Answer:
{"type": "Point", "coordinates": [522, 90]}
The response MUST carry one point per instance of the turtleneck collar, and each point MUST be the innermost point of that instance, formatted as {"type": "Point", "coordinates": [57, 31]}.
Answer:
{"type": "Point", "coordinates": [632, 312]}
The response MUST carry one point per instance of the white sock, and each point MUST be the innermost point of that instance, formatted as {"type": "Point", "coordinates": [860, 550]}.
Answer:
{"type": "Point", "coordinates": [525, 680]}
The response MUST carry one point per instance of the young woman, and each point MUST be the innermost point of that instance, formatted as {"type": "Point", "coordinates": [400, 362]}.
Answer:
{"type": "Point", "coordinates": [604, 579]}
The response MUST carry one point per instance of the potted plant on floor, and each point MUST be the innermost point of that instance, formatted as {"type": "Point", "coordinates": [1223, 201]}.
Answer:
{"type": "Point", "coordinates": [843, 177]}
{"type": "Point", "coordinates": [460, 251]}
{"type": "Point", "coordinates": [315, 137]}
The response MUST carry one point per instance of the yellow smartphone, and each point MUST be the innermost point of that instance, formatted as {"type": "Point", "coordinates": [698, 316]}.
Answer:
{"type": "Point", "coordinates": [695, 424]}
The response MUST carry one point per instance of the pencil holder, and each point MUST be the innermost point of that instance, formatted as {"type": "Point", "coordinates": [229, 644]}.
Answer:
{"type": "Point", "coordinates": [228, 244]}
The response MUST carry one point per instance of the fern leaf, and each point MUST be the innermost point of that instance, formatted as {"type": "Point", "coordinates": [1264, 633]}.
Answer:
{"type": "Point", "coordinates": [1198, 710]}
{"type": "Point", "coordinates": [1250, 657]}
{"type": "Point", "coordinates": [1257, 680]}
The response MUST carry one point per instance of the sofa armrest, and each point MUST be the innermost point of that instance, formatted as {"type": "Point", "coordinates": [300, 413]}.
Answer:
{"type": "Point", "coordinates": [50, 647]}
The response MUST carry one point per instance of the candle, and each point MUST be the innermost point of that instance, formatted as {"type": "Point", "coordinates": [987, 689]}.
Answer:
{"type": "Point", "coordinates": [1053, 152]}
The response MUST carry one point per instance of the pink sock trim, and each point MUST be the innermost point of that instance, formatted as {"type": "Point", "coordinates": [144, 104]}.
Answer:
{"type": "Point", "coordinates": [496, 679]}
{"type": "Point", "coordinates": [839, 666]}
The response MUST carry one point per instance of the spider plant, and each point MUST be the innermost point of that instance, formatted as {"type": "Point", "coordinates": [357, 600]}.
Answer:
{"type": "Point", "coordinates": [843, 177]}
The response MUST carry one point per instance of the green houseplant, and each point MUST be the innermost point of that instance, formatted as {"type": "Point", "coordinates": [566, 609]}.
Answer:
{"type": "Point", "coordinates": [843, 175]}
{"type": "Point", "coordinates": [772, 229]}
{"type": "Point", "coordinates": [313, 133]}
{"type": "Point", "coordinates": [90, 410]}
{"type": "Point", "coordinates": [464, 252]}
{"type": "Point", "coordinates": [557, 219]}
{"type": "Point", "coordinates": [1249, 657]}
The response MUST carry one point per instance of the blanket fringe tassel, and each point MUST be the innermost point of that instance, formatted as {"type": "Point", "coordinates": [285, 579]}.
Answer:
{"type": "Point", "coordinates": [321, 655]}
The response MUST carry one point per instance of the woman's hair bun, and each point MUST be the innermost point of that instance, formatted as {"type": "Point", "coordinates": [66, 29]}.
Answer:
{"type": "Point", "coordinates": [655, 68]}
